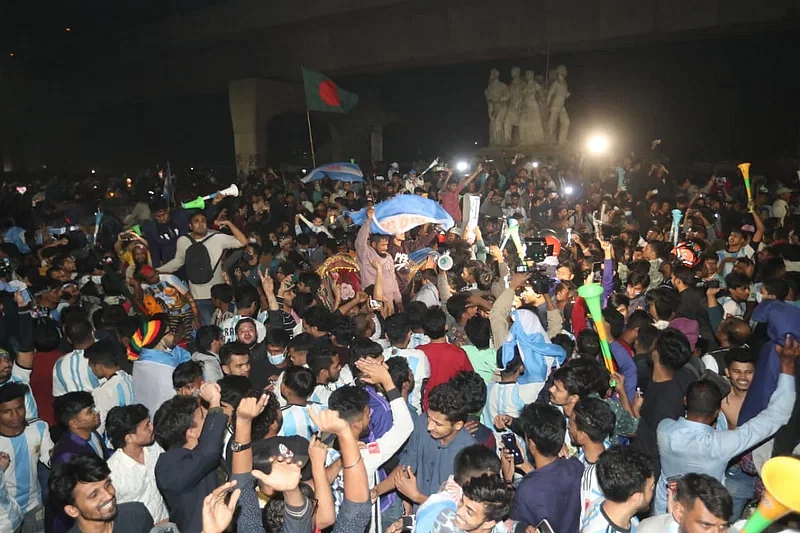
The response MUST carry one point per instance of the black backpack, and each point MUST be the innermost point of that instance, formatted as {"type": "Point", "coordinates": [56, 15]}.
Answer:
{"type": "Point", "coordinates": [198, 262]}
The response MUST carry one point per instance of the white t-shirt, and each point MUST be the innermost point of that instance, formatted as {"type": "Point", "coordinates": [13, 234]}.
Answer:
{"type": "Point", "coordinates": [216, 243]}
{"type": "Point", "coordinates": [137, 482]}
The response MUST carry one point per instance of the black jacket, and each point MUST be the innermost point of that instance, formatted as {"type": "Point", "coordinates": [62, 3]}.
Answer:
{"type": "Point", "coordinates": [185, 477]}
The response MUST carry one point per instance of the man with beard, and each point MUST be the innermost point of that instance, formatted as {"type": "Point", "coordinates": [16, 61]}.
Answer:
{"type": "Point", "coordinates": [702, 504]}
{"type": "Point", "coordinates": [133, 464]}
{"type": "Point", "coordinates": [163, 230]}
{"type": "Point", "coordinates": [247, 334]}
{"type": "Point", "coordinates": [372, 248]}
{"type": "Point", "coordinates": [82, 488]}
{"type": "Point", "coordinates": [215, 244]}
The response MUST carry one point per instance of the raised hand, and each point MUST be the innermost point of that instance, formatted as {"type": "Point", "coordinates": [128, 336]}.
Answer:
{"type": "Point", "coordinates": [285, 475]}
{"type": "Point", "coordinates": [217, 514]}
{"type": "Point", "coordinates": [328, 420]}
{"type": "Point", "coordinates": [317, 452]}
{"type": "Point", "coordinates": [374, 372]}
{"type": "Point", "coordinates": [249, 408]}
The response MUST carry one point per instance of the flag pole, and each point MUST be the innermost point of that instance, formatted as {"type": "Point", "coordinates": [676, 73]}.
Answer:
{"type": "Point", "coordinates": [311, 140]}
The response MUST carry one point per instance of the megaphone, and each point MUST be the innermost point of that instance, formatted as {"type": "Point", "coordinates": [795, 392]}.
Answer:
{"type": "Point", "coordinates": [200, 201]}
{"type": "Point", "coordinates": [445, 262]}
{"type": "Point", "coordinates": [591, 293]}
{"type": "Point", "coordinates": [780, 475]}
{"type": "Point", "coordinates": [745, 168]}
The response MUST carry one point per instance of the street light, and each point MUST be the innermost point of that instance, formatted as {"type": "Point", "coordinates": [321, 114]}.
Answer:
{"type": "Point", "coordinates": [598, 144]}
{"type": "Point", "coordinates": [94, 171]}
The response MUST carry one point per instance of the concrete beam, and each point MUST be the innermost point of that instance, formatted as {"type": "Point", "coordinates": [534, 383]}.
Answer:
{"type": "Point", "coordinates": [253, 102]}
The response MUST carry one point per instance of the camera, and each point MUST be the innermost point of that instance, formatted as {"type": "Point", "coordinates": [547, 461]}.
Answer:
{"type": "Point", "coordinates": [710, 284]}
{"type": "Point", "coordinates": [537, 250]}
{"type": "Point", "coordinates": [540, 282]}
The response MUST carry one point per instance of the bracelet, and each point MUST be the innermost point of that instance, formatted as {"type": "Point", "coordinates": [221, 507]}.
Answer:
{"type": "Point", "coordinates": [354, 464]}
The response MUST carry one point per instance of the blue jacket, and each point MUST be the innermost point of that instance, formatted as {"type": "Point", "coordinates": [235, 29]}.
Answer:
{"type": "Point", "coordinates": [782, 319]}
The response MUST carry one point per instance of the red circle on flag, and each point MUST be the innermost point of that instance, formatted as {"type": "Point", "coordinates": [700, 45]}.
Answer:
{"type": "Point", "coordinates": [329, 93]}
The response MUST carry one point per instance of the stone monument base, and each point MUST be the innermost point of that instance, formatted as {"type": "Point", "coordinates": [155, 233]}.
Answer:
{"type": "Point", "coordinates": [557, 155]}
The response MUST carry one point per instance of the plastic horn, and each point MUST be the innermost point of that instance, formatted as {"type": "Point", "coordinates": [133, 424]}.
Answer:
{"type": "Point", "coordinates": [98, 217]}
{"type": "Point", "coordinates": [433, 164]}
{"type": "Point", "coordinates": [591, 293]}
{"type": "Point", "coordinates": [200, 201]}
{"type": "Point", "coordinates": [445, 262]}
{"type": "Point", "coordinates": [779, 475]}
{"type": "Point", "coordinates": [137, 229]}
{"type": "Point", "coordinates": [677, 215]}
{"type": "Point", "coordinates": [507, 232]}
{"type": "Point", "coordinates": [745, 168]}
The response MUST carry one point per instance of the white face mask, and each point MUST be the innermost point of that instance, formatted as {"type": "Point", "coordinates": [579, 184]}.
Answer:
{"type": "Point", "coordinates": [277, 359]}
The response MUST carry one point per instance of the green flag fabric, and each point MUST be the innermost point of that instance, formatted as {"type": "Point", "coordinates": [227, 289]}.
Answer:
{"type": "Point", "coordinates": [324, 95]}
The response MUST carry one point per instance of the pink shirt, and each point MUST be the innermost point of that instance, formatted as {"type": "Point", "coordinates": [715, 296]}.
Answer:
{"type": "Point", "coordinates": [449, 201]}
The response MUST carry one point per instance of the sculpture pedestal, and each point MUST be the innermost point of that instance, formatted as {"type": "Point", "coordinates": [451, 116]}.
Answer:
{"type": "Point", "coordinates": [547, 154]}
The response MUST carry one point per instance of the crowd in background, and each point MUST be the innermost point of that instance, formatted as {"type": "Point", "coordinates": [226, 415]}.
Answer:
{"type": "Point", "coordinates": [262, 363]}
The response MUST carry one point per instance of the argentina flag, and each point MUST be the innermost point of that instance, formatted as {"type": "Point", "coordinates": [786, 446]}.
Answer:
{"type": "Point", "coordinates": [337, 172]}
{"type": "Point", "coordinates": [403, 213]}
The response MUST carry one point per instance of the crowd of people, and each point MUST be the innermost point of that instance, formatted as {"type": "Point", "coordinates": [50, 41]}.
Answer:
{"type": "Point", "coordinates": [262, 363]}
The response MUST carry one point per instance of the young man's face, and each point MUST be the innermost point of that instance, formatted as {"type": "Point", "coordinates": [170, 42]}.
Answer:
{"type": "Point", "coordinates": [87, 419]}
{"type": "Point", "coordinates": [471, 516]}
{"type": "Point", "coordinates": [189, 390]}
{"type": "Point", "coordinates": [12, 416]}
{"type": "Point", "coordinates": [247, 333]}
{"type": "Point", "coordinates": [558, 394]}
{"type": "Point", "coordinates": [440, 427]}
{"type": "Point", "coordinates": [199, 225]}
{"type": "Point", "coordinates": [239, 366]}
{"type": "Point", "coordinates": [634, 290]}
{"type": "Point", "coordinates": [740, 294]}
{"type": "Point", "coordinates": [698, 519]}
{"type": "Point", "coordinates": [381, 245]}
{"type": "Point", "coordinates": [94, 501]}
{"type": "Point", "coordinates": [564, 273]}
{"type": "Point", "coordinates": [161, 216]}
{"type": "Point", "coordinates": [735, 239]}
{"type": "Point", "coordinates": [5, 366]}
{"type": "Point", "coordinates": [741, 375]}
{"type": "Point", "coordinates": [144, 435]}
{"type": "Point", "coordinates": [335, 369]}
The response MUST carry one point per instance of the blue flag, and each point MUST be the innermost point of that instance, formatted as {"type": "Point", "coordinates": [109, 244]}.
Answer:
{"type": "Point", "coordinates": [337, 172]}
{"type": "Point", "coordinates": [403, 213]}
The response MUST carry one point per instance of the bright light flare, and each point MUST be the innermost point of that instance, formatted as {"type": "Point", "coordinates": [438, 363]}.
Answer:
{"type": "Point", "coordinates": [598, 144]}
{"type": "Point", "coordinates": [568, 190]}
{"type": "Point", "coordinates": [94, 171]}
{"type": "Point", "coordinates": [462, 166]}
{"type": "Point", "coordinates": [535, 164]}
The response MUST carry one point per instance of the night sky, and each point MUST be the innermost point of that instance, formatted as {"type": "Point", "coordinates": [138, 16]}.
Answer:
{"type": "Point", "coordinates": [708, 99]}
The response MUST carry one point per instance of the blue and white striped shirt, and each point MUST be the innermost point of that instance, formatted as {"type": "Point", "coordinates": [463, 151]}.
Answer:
{"type": "Point", "coordinates": [23, 376]}
{"type": "Point", "coordinates": [21, 477]}
{"type": "Point", "coordinates": [420, 368]}
{"type": "Point", "coordinates": [116, 392]}
{"type": "Point", "coordinates": [297, 422]}
{"type": "Point", "coordinates": [10, 512]}
{"type": "Point", "coordinates": [597, 521]}
{"type": "Point", "coordinates": [71, 373]}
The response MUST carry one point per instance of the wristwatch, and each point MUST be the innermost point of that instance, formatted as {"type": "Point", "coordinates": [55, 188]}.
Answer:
{"type": "Point", "coordinates": [237, 447]}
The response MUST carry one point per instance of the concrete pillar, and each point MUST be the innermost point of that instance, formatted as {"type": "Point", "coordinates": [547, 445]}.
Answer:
{"type": "Point", "coordinates": [253, 102]}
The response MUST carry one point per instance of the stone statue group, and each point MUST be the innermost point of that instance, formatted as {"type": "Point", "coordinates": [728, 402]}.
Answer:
{"type": "Point", "coordinates": [530, 111]}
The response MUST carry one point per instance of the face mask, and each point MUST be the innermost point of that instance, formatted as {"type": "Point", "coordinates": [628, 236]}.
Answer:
{"type": "Point", "coordinates": [276, 359]}
{"type": "Point", "coordinates": [274, 243]}
{"type": "Point", "coordinates": [196, 393]}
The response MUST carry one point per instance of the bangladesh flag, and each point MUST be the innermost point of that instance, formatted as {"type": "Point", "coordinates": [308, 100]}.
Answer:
{"type": "Point", "coordinates": [324, 95]}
